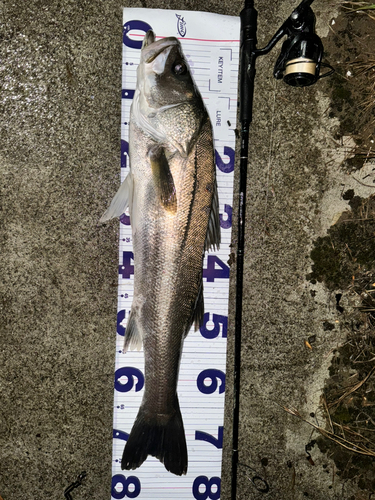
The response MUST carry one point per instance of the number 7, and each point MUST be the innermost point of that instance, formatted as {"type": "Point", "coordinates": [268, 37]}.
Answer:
{"type": "Point", "coordinates": [204, 436]}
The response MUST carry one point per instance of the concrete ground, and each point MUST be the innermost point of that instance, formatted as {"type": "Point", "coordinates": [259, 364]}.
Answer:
{"type": "Point", "coordinates": [60, 68]}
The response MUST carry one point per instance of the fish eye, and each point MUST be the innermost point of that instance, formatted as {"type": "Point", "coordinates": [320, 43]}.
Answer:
{"type": "Point", "coordinates": [179, 68]}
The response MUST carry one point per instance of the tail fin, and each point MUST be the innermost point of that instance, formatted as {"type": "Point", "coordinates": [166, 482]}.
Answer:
{"type": "Point", "coordinates": [160, 436]}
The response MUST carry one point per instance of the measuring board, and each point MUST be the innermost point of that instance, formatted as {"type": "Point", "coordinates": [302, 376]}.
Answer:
{"type": "Point", "coordinates": [210, 43]}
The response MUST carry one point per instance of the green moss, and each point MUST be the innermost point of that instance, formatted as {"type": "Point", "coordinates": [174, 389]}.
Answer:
{"type": "Point", "coordinates": [353, 164]}
{"type": "Point", "coordinates": [342, 415]}
{"type": "Point", "coordinates": [330, 265]}
{"type": "Point", "coordinates": [341, 92]}
{"type": "Point", "coordinates": [348, 248]}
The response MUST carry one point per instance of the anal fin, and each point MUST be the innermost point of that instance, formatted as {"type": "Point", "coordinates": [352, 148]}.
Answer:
{"type": "Point", "coordinates": [133, 338]}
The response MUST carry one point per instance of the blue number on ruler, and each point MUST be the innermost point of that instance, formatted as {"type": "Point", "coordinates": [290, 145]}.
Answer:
{"type": "Point", "coordinates": [211, 273]}
{"type": "Point", "coordinates": [126, 269]}
{"type": "Point", "coordinates": [204, 436]}
{"type": "Point", "coordinates": [215, 331]}
{"type": "Point", "coordinates": [214, 375]}
{"type": "Point", "coordinates": [208, 484]}
{"type": "Point", "coordinates": [226, 224]}
{"type": "Point", "coordinates": [120, 318]}
{"type": "Point", "coordinates": [125, 483]}
{"type": "Point", "coordinates": [131, 373]}
{"type": "Point", "coordinates": [127, 93]}
{"type": "Point", "coordinates": [125, 219]}
{"type": "Point", "coordinates": [124, 153]}
{"type": "Point", "coordinates": [225, 167]}
{"type": "Point", "coordinates": [134, 25]}
{"type": "Point", "coordinates": [120, 435]}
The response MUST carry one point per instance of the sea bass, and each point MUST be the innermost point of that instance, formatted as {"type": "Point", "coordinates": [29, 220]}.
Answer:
{"type": "Point", "coordinates": [171, 193]}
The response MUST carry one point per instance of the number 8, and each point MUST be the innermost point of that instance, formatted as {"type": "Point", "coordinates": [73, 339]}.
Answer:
{"type": "Point", "coordinates": [125, 482]}
{"type": "Point", "coordinates": [208, 483]}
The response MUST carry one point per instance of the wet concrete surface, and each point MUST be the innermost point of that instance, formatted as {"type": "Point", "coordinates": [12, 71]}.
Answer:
{"type": "Point", "coordinates": [60, 67]}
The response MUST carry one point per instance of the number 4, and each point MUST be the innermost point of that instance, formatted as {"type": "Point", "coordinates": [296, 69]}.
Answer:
{"type": "Point", "coordinates": [212, 272]}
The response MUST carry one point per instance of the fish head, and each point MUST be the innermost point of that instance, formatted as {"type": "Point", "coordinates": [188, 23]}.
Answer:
{"type": "Point", "coordinates": [164, 77]}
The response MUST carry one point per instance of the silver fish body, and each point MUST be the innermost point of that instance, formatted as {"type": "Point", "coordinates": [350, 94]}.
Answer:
{"type": "Point", "coordinates": [171, 192]}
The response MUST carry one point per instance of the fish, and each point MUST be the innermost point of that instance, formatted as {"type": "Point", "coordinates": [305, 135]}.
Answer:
{"type": "Point", "coordinates": [171, 193]}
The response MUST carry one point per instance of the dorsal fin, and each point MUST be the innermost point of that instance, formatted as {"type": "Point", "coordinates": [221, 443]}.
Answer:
{"type": "Point", "coordinates": [213, 237]}
{"type": "Point", "coordinates": [199, 309]}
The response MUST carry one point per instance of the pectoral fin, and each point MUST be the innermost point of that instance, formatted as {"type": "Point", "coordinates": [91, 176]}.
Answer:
{"type": "Point", "coordinates": [120, 202]}
{"type": "Point", "coordinates": [163, 178]}
{"type": "Point", "coordinates": [183, 148]}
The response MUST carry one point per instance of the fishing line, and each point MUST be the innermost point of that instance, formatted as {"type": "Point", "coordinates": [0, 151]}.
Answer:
{"type": "Point", "coordinates": [256, 479]}
{"type": "Point", "coordinates": [74, 485]}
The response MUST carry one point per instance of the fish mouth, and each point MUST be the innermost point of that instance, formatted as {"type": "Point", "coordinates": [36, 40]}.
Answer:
{"type": "Point", "coordinates": [151, 49]}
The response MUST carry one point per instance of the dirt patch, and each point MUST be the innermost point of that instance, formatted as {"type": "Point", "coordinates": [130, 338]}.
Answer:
{"type": "Point", "coordinates": [350, 48]}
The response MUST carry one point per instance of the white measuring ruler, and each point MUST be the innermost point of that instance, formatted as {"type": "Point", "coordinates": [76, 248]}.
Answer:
{"type": "Point", "coordinates": [210, 43]}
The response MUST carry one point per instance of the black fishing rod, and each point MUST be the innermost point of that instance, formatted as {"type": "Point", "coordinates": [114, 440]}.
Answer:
{"type": "Point", "coordinates": [299, 65]}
